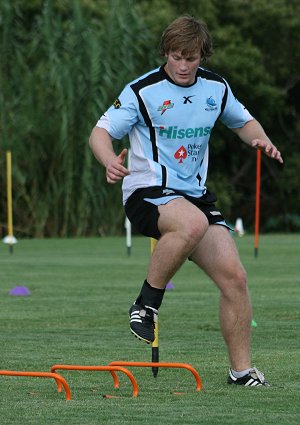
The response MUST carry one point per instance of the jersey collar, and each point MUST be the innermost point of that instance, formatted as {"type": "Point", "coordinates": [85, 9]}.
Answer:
{"type": "Point", "coordinates": [167, 77]}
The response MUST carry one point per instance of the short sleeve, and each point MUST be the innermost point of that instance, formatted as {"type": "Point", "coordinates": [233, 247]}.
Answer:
{"type": "Point", "coordinates": [234, 114]}
{"type": "Point", "coordinates": [121, 116]}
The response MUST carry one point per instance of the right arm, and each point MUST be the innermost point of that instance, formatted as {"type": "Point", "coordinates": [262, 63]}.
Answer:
{"type": "Point", "coordinates": [101, 145]}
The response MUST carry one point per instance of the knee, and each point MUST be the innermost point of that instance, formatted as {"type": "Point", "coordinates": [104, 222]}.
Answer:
{"type": "Point", "coordinates": [239, 280]}
{"type": "Point", "coordinates": [183, 219]}
{"type": "Point", "coordinates": [193, 232]}
{"type": "Point", "coordinates": [195, 226]}
{"type": "Point", "coordinates": [235, 284]}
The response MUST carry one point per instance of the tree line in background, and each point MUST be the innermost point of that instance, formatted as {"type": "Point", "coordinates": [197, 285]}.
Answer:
{"type": "Point", "coordinates": [62, 63]}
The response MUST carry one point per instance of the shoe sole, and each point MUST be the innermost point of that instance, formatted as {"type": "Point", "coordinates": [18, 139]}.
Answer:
{"type": "Point", "coordinates": [140, 338]}
{"type": "Point", "coordinates": [249, 386]}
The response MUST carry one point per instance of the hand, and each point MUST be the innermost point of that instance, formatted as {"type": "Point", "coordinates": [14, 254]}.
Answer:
{"type": "Point", "coordinates": [268, 148]}
{"type": "Point", "coordinates": [115, 170]}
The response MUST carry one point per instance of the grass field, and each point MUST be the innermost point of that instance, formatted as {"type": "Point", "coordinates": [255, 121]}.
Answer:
{"type": "Point", "coordinates": [81, 290]}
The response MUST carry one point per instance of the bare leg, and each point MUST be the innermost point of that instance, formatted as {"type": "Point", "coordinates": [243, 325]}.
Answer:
{"type": "Point", "coordinates": [182, 226]}
{"type": "Point", "coordinates": [217, 255]}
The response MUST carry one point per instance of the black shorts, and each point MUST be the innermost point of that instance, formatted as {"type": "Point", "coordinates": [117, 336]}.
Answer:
{"type": "Point", "coordinates": [142, 208]}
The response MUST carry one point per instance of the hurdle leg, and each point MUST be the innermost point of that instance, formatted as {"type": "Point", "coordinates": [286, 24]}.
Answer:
{"type": "Point", "coordinates": [111, 368]}
{"type": "Point", "coordinates": [60, 381]}
{"type": "Point", "coordinates": [163, 364]}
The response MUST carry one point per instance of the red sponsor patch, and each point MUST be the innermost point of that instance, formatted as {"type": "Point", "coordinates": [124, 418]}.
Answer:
{"type": "Point", "coordinates": [180, 154]}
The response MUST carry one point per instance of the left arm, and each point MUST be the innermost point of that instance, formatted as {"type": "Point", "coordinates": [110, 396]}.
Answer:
{"type": "Point", "coordinates": [254, 135]}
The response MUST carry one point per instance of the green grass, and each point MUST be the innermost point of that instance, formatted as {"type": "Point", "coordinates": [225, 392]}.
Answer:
{"type": "Point", "coordinates": [81, 290]}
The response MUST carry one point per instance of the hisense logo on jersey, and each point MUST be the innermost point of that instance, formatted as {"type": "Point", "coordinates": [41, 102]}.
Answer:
{"type": "Point", "coordinates": [173, 132]}
{"type": "Point", "coordinates": [166, 105]}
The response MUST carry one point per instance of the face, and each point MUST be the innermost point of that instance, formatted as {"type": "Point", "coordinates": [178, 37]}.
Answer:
{"type": "Point", "coordinates": [182, 69]}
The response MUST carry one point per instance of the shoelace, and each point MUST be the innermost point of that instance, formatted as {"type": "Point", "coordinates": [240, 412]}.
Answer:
{"type": "Point", "coordinates": [260, 375]}
{"type": "Point", "coordinates": [148, 316]}
{"type": "Point", "coordinates": [154, 317]}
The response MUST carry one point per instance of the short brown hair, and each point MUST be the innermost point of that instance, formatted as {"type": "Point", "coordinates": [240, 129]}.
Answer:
{"type": "Point", "coordinates": [186, 35]}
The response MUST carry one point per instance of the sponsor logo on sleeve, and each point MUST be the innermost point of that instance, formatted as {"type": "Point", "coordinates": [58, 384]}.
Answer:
{"type": "Point", "coordinates": [117, 104]}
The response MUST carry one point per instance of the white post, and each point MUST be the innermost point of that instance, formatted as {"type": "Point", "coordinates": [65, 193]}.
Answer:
{"type": "Point", "coordinates": [128, 235]}
{"type": "Point", "coordinates": [239, 227]}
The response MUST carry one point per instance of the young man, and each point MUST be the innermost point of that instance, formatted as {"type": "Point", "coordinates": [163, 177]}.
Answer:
{"type": "Point", "coordinates": [169, 114]}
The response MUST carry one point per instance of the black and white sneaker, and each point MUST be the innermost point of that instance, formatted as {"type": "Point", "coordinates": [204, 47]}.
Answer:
{"type": "Point", "coordinates": [141, 320]}
{"type": "Point", "coordinates": [254, 378]}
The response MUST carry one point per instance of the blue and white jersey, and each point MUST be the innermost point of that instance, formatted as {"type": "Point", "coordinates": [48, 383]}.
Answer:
{"type": "Point", "coordinates": [169, 127]}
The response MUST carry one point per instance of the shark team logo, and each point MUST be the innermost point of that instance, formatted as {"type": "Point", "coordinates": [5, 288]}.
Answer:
{"type": "Point", "coordinates": [166, 105]}
{"type": "Point", "coordinates": [180, 154]}
{"type": "Point", "coordinates": [211, 104]}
